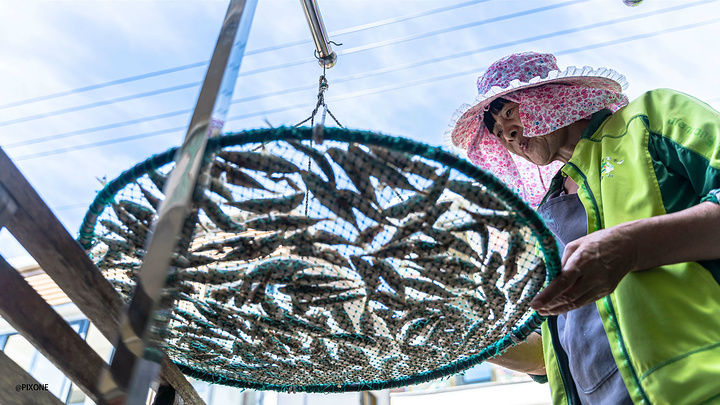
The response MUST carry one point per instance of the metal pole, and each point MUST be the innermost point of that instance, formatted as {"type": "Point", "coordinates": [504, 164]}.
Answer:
{"type": "Point", "coordinates": [135, 364]}
{"type": "Point", "coordinates": [326, 56]}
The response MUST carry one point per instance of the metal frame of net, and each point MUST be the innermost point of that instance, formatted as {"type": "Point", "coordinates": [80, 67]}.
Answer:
{"type": "Point", "coordinates": [363, 262]}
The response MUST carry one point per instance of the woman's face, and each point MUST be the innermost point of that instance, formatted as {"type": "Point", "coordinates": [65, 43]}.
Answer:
{"type": "Point", "coordinates": [540, 150]}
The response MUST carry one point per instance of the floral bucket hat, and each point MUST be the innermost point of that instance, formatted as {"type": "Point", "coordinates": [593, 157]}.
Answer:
{"type": "Point", "coordinates": [549, 99]}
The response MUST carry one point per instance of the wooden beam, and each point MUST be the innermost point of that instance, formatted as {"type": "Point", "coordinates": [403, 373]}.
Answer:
{"type": "Point", "coordinates": [61, 257]}
{"type": "Point", "coordinates": [7, 207]}
{"type": "Point", "coordinates": [32, 317]}
{"type": "Point", "coordinates": [13, 376]}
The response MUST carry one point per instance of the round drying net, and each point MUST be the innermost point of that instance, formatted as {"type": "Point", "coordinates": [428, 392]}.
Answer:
{"type": "Point", "coordinates": [360, 262]}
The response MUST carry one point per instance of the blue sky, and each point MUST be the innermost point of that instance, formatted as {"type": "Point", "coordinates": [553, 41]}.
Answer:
{"type": "Point", "coordinates": [404, 74]}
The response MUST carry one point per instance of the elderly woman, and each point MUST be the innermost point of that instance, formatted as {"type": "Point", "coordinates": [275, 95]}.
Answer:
{"type": "Point", "coordinates": [631, 192]}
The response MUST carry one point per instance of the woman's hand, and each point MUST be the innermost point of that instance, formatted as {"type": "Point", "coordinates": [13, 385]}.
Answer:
{"type": "Point", "coordinates": [592, 267]}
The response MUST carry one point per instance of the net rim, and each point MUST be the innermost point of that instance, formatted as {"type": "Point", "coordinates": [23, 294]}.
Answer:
{"type": "Point", "coordinates": [546, 241]}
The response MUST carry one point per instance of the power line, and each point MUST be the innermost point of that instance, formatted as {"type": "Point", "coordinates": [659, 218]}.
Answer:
{"type": "Point", "coordinates": [396, 86]}
{"type": "Point", "coordinates": [369, 74]}
{"type": "Point", "coordinates": [251, 52]}
{"type": "Point", "coordinates": [100, 103]}
{"type": "Point", "coordinates": [362, 48]}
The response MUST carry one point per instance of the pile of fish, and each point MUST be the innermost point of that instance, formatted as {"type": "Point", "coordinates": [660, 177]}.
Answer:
{"type": "Point", "coordinates": [325, 264]}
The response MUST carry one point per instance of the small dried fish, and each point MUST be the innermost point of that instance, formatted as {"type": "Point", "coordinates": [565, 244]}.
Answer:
{"type": "Point", "coordinates": [352, 199]}
{"type": "Point", "coordinates": [353, 338]}
{"type": "Point", "coordinates": [536, 273]}
{"type": "Point", "coordinates": [280, 270]}
{"type": "Point", "coordinates": [491, 272]}
{"type": "Point", "coordinates": [450, 241]}
{"type": "Point", "coordinates": [448, 278]}
{"type": "Point", "coordinates": [217, 187]}
{"type": "Point", "coordinates": [272, 309]}
{"type": "Point", "coordinates": [267, 205]}
{"type": "Point", "coordinates": [218, 216]}
{"type": "Point", "coordinates": [318, 157]}
{"type": "Point", "coordinates": [496, 300]}
{"type": "Point", "coordinates": [329, 238]}
{"type": "Point", "coordinates": [368, 234]}
{"type": "Point", "coordinates": [356, 171]}
{"type": "Point", "coordinates": [329, 255]}
{"type": "Point", "coordinates": [476, 194]}
{"type": "Point", "coordinates": [449, 264]}
{"type": "Point", "coordinates": [353, 356]}
{"type": "Point", "coordinates": [138, 228]}
{"type": "Point", "coordinates": [392, 301]}
{"type": "Point", "coordinates": [499, 222]}
{"type": "Point", "coordinates": [259, 247]}
{"type": "Point", "coordinates": [260, 162]}
{"type": "Point", "coordinates": [281, 222]}
{"type": "Point", "coordinates": [237, 177]}
{"type": "Point", "coordinates": [310, 292]}
{"type": "Point", "coordinates": [367, 323]}
{"type": "Point", "coordinates": [219, 246]}
{"type": "Point", "coordinates": [388, 316]}
{"type": "Point", "coordinates": [184, 262]}
{"type": "Point", "coordinates": [117, 229]}
{"type": "Point", "coordinates": [428, 287]}
{"type": "Point", "coordinates": [158, 179]}
{"type": "Point", "coordinates": [327, 197]}
{"type": "Point", "coordinates": [290, 182]}
{"type": "Point", "coordinates": [122, 286]}
{"type": "Point", "coordinates": [378, 168]}
{"type": "Point", "coordinates": [222, 294]}
{"type": "Point", "coordinates": [418, 327]}
{"type": "Point", "coordinates": [366, 271]}
{"type": "Point", "coordinates": [390, 275]}
{"type": "Point", "coordinates": [306, 279]}
{"type": "Point", "coordinates": [402, 249]}
{"type": "Point", "coordinates": [319, 349]}
{"type": "Point", "coordinates": [415, 225]}
{"type": "Point", "coordinates": [151, 199]}
{"type": "Point", "coordinates": [516, 245]}
{"type": "Point", "coordinates": [117, 245]}
{"type": "Point", "coordinates": [211, 276]}
{"type": "Point", "coordinates": [404, 162]}
{"type": "Point", "coordinates": [479, 307]}
{"type": "Point", "coordinates": [340, 299]}
{"type": "Point", "coordinates": [342, 319]}
{"type": "Point", "coordinates": [420, 201]}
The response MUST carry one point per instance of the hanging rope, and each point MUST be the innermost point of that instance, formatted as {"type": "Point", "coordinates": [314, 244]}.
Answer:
{"type": "Point", "coordinates": [322, 88]}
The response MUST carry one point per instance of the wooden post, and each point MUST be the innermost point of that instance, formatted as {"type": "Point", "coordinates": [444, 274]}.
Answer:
{"type": "Point", "coordinates": [12, 390]}
{"type": "Point", "coordinates": [35, 319]}
{"type": "Point", "coordinates": [61, 257]}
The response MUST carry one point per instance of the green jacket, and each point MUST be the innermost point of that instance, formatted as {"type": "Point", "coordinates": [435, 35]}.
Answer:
{"type": "Point", "coordinates": [659, 154]}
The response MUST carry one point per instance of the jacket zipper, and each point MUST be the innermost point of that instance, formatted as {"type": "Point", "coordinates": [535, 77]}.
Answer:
{"type": "Point", "coordinates": [563, 365]}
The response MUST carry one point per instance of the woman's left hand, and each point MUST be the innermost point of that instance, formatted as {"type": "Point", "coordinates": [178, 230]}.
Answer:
{"type": "Point", "coordinates": [592, 267]}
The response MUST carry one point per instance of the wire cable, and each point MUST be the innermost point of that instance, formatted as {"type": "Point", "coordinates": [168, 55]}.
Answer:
{"type": "Point", "coordinates": [251, 52]}
{"type": "Point", "coordinates": [396, 86]}
{"type": "Point", "coordinates": [362, 48]}
{"type": "Point", "coordinates": [364, 74]}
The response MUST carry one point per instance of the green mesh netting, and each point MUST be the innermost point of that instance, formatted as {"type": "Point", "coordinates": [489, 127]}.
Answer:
{"type": "Point", "coordinates": [363, 262]}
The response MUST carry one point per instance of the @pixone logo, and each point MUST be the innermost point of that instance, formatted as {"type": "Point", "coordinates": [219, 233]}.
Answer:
{"type": "Point", "coordinates": [31, 387]}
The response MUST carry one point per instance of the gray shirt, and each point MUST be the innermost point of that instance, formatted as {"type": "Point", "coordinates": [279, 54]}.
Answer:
{"type": "Point", "coordinates": [581, 332]}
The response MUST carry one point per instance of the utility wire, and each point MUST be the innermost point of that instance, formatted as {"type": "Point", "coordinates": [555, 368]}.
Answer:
{"type": "Point", "coordinates": [252, 52]}
{"type": "Point", "coordinates": [396, 86]}
{"type": "Point", "coordinates": [364, 74]}
{"type": "Point", "coordinates": [362, 48]}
